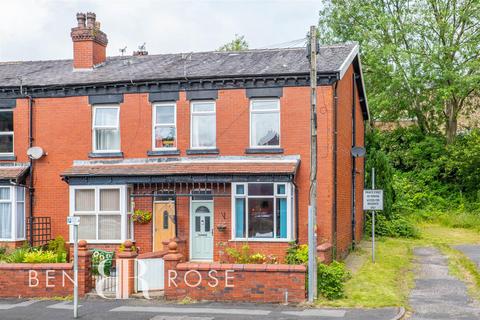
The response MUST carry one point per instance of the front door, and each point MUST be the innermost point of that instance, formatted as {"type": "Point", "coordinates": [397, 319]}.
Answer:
{"type": "Point", "coordinates": [164, 226]}
{"type": "Point", "coordinates": [201, 225]}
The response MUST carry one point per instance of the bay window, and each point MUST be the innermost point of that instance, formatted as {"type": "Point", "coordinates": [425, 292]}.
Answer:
{"type": "Point", "coordinates": [203, 125]}
{"type": "Point", "coordinates": [262, 211]}
{"type": "Point", "coordinates": [265, 123]}
{"type": "Point", "coordinates": [103, 212]}
{"type": "Point", "coordinates": [106, 129]}
{"type": "Point", "coordinates": [164, 126]}
{"type": "Point", "coordinates": [6, 132]}
{"type": "Point", "coordinates": [12, 213]}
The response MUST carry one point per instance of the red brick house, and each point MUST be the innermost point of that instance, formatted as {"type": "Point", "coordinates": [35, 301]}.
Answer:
{"type": "Point", "coordinates": [214, 144]}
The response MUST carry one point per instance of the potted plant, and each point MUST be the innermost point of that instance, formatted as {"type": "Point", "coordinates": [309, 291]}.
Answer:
{"type": "Point", "coordinates": [142, 216]}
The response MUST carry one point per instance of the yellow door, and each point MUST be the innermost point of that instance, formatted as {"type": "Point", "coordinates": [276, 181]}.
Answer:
{"type": "Point", "coordinates": [164, 223]}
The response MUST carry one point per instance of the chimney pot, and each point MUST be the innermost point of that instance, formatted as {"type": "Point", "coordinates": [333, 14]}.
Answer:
{"type": "Point", "coordinates": [89, 42]}
{"type": "Point", "coordinates": [81, 20]}
{"type": "Point", "coordinates": [91, 19]}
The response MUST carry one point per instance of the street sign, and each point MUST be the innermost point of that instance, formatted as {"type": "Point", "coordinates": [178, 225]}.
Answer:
{"type": "Point", "coordinates": [73, 221]}
{"type": "Point", "coordinates": [373, 200]}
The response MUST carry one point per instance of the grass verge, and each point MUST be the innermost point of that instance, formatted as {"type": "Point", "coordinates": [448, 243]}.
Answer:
{"type": "Point", "coordinates": [388, 282]}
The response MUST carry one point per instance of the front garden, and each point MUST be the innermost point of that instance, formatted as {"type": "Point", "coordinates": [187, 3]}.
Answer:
{"type": "Point", "coordinates": [55, 251]}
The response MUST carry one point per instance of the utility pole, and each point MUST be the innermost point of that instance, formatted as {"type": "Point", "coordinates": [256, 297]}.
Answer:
{"type": "Point", "coordinates": [312, 209]}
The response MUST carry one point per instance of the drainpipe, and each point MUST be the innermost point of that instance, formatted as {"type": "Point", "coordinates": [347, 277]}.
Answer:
{"type": "Point", "coordinates": [31, 188]}
{"type": "Point", "coordinates": [334, 203]}
{"type": "Point", "coordinates": [296, 211]}
{"type": "Point", "coordinates": [354, 161]}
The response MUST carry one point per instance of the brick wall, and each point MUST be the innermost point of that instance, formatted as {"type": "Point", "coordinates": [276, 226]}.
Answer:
{"type": "Point", "coordinates": [236, 282]}
{"type": "Point", "coordinates": [47, 280]}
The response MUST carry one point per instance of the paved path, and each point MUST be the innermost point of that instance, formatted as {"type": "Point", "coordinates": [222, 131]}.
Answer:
{"type": "Point", "coordinates": [100, 309]}
{"type": "Point", "coordinates": [472, 251]}
{"type": "Point", "coordinates": [438, 295]}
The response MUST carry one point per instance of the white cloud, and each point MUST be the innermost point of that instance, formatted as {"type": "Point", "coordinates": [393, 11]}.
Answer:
{"type": "Point", "coordinates": [34, 30]}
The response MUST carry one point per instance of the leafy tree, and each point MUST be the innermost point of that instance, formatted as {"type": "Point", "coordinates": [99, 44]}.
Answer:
{"type": "Point", "coordinates": [237, 44]}
{"type": "Point", "coordinates": [421, 58]}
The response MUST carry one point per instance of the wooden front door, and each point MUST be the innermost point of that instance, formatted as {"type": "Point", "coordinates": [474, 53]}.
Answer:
{"type": "Point", "coordinates": [164, 223]}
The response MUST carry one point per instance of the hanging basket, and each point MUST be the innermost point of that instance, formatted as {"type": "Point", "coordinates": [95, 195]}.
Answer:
{"type": "Point", "coordinates": [142, 216]}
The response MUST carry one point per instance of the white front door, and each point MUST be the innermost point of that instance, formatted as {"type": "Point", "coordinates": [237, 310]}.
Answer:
{"type": "Point", "coordinates": [201, 226]}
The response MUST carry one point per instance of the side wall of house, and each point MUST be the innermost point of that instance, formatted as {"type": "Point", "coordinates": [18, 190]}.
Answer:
{"type": "Point", "coordinates": [345, 165]}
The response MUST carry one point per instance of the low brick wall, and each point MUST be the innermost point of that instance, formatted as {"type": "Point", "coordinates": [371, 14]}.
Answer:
{"type": "Point", "coordinates": [235, 282]}
{"type": "Point", "coordinates": [30, 280]}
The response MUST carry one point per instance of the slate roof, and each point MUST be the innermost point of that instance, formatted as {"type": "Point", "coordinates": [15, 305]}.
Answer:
{"type": "Point", "coordinates": [332, 59]}
{"type": "Point", "coordinates": [181, 166]}
{"type": "Point", "coordinates": [13, 172]}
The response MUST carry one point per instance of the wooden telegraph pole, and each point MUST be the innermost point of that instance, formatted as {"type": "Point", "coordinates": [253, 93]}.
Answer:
{"type": "Point", "coordinates": [312, 209]}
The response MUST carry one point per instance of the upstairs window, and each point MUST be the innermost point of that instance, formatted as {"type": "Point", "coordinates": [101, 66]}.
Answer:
{"type": "Point", "coordinates": [6, 132]}
{"type": "Point", "coordinates": [164, 126]}
{"type": "Point", "coordinates": [106, 129]}
{"type": "Point", "coordinates": [203, 125]}
{"type": "Point", "coordinates": [265, 123]}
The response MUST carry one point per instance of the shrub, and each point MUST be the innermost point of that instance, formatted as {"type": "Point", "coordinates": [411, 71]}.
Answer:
{"type": "Point", "coordinates": [297, 254]}
{"type": "Point", "coordinates": [398, 227]}
{"type": "Point", "coordinates": [40, 256]}
{"type": "Point", "coordinates": [331, 279]}
{"type": "Point", "coordinates": [17, 256]}
{"type": "Point", "coordinates": [58, 246]}
{"type": "Point", "coordinates": [244, 256]}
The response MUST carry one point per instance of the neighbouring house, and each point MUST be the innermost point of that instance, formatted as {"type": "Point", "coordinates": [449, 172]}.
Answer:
{"type": "Point", "coordinates": [215, 145]}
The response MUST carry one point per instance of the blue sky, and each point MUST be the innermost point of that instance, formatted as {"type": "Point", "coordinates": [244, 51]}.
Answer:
{"type": "Point", "coordinates": [40, 30]}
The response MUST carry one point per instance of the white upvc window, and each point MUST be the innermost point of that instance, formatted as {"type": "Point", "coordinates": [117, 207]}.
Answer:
{"type": "Point", "coordinates": [103, 212]}
{"type": "Point", "coordinates": [164, 133]}
{"type": "Point", "coordinates": [203, 127]}
{"type": "Point", "coordinates": [262, 211]}
{"type": "Point", "coordinates": [264, 123]}
{"type": "Point", "coordinates": [6, 132]}
{"type": "Point", "coordinates": [106, 128]}
{"type": "Point", "coordinates": [12, 213]}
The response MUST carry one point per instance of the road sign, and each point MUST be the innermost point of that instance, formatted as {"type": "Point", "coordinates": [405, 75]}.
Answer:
{"type": "Point", "coordinates": [373, 200]}
{"type": "Point", "coordinates": [73, 221]}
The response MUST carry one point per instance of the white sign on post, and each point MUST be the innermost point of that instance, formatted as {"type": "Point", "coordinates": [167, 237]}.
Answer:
{"type": "Point", "coordinates": [73, 221]}
{"type": "Point", "coordinates": [373, 200]}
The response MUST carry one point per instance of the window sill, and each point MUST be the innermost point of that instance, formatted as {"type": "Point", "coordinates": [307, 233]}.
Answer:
{"type": "Point", "coordinates": [102, 241]}
{"type": "Point", "coordinates": [202, 151]}
{"type": "Point", "coordinates": [105, 155]}
{"type": "Point", "coordinates": [260, 240]}
{"type": "Point", "coordinates": [8, 158]}
{"type": "Point", "coordinates": [263, 150]}
{"type": "Point", "coordinates": [173, 152]}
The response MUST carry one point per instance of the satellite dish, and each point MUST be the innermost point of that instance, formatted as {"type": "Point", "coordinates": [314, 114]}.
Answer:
{"type": "Point", "coordinates": [35, 153]}
{"type": "Point", "coordinates": [358, 152]}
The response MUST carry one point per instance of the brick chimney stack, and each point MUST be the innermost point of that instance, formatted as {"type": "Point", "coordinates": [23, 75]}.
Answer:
{"type": "Point", "coordinates": [89, 42]}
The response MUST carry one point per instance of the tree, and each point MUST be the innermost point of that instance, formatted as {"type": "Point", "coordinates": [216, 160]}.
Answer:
{"type": "Point", "coordinates": [237, 44]}
{"type": "Point", "coordinates": [421, 58]}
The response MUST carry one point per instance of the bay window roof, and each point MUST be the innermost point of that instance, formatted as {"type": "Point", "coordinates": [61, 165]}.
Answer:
{"type": "Point", "coordinates": [222, 168]}
{"type": "Point", "coordinates": [13, 172]}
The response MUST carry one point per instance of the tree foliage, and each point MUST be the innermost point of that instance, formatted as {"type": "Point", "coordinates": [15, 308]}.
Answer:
{"type": "Point", "coordinates": [421, 58]}
{"type": "Point", "coordinates": [237, 44]}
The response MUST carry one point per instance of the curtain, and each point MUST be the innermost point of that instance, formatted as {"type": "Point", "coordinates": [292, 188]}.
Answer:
{"type": "Point", "coordinates": [5, 220]}
{"type": "Point", "coordinates": [109, 227]}
{"type": "Point", "coordinates": [106, 117]}
{"type": "Point", "coordinates": [84, 200]}
{"type": "Point", "coordinates": [282, 217]}
{"type": "Point", "coordinates": [240, 218]}
{"type": "Point", "coordinates": [87, 230]}
{"type": "Point", "coordinates": [109, 200]}
{"type": "Point", "coordinates": [107, 139]}
{"type": "Point", "coordinates": [203, 131]}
